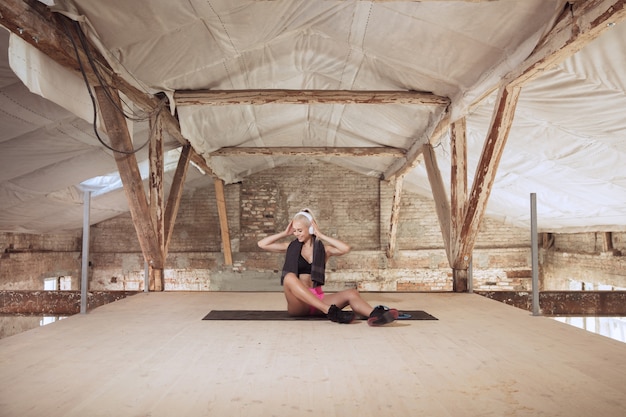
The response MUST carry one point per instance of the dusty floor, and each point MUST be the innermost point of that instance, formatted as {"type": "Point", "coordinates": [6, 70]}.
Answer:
{"type": "Point", "coordinates": [153, 355]}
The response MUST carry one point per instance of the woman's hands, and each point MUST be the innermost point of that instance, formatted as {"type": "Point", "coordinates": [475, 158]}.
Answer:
{"type": "Point", "coordinates": [273, 243]}
{"type": "Point", "coordinates": [290, 229]}
{"type": "Point", "coordinates": [334, 247]}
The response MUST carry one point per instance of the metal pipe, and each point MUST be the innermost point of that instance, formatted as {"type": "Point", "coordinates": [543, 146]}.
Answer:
{"type": "Point", "coordinates": [534, 252]}
{"type": "Point", "coordinates": [470, 277]}
{"type": "Point", "coordinates": [146, 277]}
{"type": "Point", "coordinates": [85, 259]}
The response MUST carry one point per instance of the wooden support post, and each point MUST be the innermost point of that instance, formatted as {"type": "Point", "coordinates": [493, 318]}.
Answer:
{"type": "Point", "coordinates": [120, 140]}
{"type": "Point", "coordinates": [458, 181]}
{"type": "Point", "coordinates": [442, 206]}
{"type": "Point", "coordinates": [607, 242]}
{"type": "Point", "coordinates": [395, 215]}
{"type": "Point", "coordinates": [458, 197]}
{"type": "Point", "coordinates": [157, 198]}
{"type": "Point", "coordinates": [501, 121]}
{"type": "Point", "coordinates": [547, 240]}
{"type": "Point", "coordinates": [221, 210]}
{"type": "Point", "coordinates": [459, 280]}
{"type": "Point", "coordinates": [176, 192]}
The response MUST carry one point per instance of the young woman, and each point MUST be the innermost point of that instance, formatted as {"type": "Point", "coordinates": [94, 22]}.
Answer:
{"type": "Point", "coordinates": [303, 274]}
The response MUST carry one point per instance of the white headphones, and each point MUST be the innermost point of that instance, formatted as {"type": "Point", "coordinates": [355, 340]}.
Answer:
{"type": "Point", "coordinates": [308, 216]}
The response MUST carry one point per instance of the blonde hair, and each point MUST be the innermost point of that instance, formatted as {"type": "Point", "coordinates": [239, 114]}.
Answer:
{"type": "Point", "coordinates": [305, 214]}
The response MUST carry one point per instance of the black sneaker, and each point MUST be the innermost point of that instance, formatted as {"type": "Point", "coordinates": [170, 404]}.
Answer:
{"type": "Point", "coordinates": [339, 316]}
{"type": "Point", "coordinates": [382, 315]}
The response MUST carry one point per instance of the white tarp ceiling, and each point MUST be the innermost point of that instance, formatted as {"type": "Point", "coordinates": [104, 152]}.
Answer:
{"type": "Point", "coordinates": [567, 144]}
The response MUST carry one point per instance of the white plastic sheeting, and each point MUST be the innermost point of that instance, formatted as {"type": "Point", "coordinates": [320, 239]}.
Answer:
{"type": "Point", "coordinates": [48, 155]}
{"type": "Point", "coordinates": [567, 143]}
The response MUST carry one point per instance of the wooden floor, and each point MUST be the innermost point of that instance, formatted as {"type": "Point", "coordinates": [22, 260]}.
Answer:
{"type": "Point", "coordinates": [153, 355]}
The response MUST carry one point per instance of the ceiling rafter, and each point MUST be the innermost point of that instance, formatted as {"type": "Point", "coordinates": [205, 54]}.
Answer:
{"type": "Point", "coordinates": [310, 151]}
{"type": "Point", "coordinates": [50, 33]}
{"type": "Point", "coordinates": [258, 97]}
{"type": "Point", "coordinates": [574, 30]}
{"type": "Point", "coordinates": [583, 22]}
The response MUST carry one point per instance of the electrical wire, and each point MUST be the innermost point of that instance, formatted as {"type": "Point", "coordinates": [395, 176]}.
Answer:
{"type": "Point", "coordinates": [105, 88]}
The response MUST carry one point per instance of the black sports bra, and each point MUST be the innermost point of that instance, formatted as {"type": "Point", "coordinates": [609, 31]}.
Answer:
{"type": "Point", "coordinates": [303, 266]}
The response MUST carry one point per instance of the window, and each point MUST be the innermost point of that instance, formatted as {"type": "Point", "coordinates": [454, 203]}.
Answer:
{"type": "Point", "coordinates": [57, 283]}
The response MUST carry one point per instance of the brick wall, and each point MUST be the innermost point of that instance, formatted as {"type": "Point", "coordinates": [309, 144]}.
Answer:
{"type": "Point", "coordinates": [27, 259]}
{"type": "Point", "coordinates": [590, 242]}
{"type": "Point", "coordinates": [353, 207]}
{"type": "Point", "coordinates": [27, 270]}
{"type": "Point", "coordinates": [16, 242]}
{"type": "Point", "coordinates": [345, 204]}
{"type": "Point", "coordinates": [576, 261]}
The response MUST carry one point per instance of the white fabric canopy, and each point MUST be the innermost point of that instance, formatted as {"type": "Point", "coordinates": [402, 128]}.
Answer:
{"type": "Point", "coordinates": [567, 144]}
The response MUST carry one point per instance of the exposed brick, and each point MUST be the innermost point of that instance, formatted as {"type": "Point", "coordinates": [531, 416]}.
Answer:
{"type": "Point", "coordinates": [347, 205]}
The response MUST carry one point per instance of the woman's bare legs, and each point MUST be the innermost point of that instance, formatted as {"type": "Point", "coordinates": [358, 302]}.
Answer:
{"type": "Point", "coordinates": [300, 298]}
{"type": "Point", "coordinates": [352, 298]}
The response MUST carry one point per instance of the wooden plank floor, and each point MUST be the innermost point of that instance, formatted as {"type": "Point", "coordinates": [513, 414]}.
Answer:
{"type": "Point", "coordinates": [152, 355]}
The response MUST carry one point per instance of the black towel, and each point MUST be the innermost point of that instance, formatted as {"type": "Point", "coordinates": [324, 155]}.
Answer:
{"type": "Point", "coordinates": [318, 266]}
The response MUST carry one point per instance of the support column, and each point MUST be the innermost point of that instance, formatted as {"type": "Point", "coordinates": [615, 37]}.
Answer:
{"type": "Point", "coordinates": [156, 203]}
{"type": "Point", "coordinates": [395, 215]}
{"type": "Point", "coordinates": [221, 210]}
{"type": "Point", "coordinates": [84, 280]}
{"type": "Point", "coordinates": [534, 243]}
{"type": "Point", "coordinates": [459, 280]}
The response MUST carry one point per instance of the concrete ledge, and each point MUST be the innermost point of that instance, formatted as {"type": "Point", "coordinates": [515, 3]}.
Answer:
{"type": "Point", "coordinates": [565, 303]}
{"type": "Point", "coordinates": [55, 302]}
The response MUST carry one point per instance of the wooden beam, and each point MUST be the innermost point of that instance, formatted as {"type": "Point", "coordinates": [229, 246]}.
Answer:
{"type": "Point", "coordinates": [395, 216]}
{"type": "Point", "coordinates": [580, 23]}
{"type": "Point", "coordinates": [607, 244]}
{"type": "Point", "coordinates": [157, 199]}
{"type": "Point", "coordinates": [311, 151]}
{"type": "Point", "coordinates": [565, 303]}
{"type": "Point", "coordinates": [412, 159]}
{"type": "Point", "coordinates": [56, 36]}
{"type": "Point", "coordinates": [583, 22]}
{"type": "Point", "coordinates": [426, 1]}
{"type": "Point", "coordinates": [120, 139]}
{"type": "Point", "coordinates": [499, 129]}
{"type": "Point", "coordinates": [221, 210]}
{"type": "Point", "coordinates": [442, 206]}
{"type": "Point", "coordinates": [155, 179]}
{"type": "Point", "coordinates": [458, 181]}
{"type": "Point", "coordinates": [176, 193]}
{"type": "Point", "coordinates": [258, 97]}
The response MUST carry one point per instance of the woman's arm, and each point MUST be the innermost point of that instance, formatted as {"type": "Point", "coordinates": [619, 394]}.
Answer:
{"type": "Point", "coordinates": [334, 247]}
{"type": "Point", "coordinates": [272, 243]}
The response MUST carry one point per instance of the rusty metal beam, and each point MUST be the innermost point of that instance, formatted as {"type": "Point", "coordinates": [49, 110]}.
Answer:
{"type": "Point", "coordinates": [565, 303]}
{"type": "Point", "coordinates": [55, 302]}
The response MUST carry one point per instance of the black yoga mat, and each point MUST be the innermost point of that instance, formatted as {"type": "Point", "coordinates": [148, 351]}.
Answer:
{"type": "Point", "coordinates": [274, 315]}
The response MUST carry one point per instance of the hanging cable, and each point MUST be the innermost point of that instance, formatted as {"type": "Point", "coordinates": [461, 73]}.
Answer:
{"type": "Point", "coordinates": [105, 88]}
